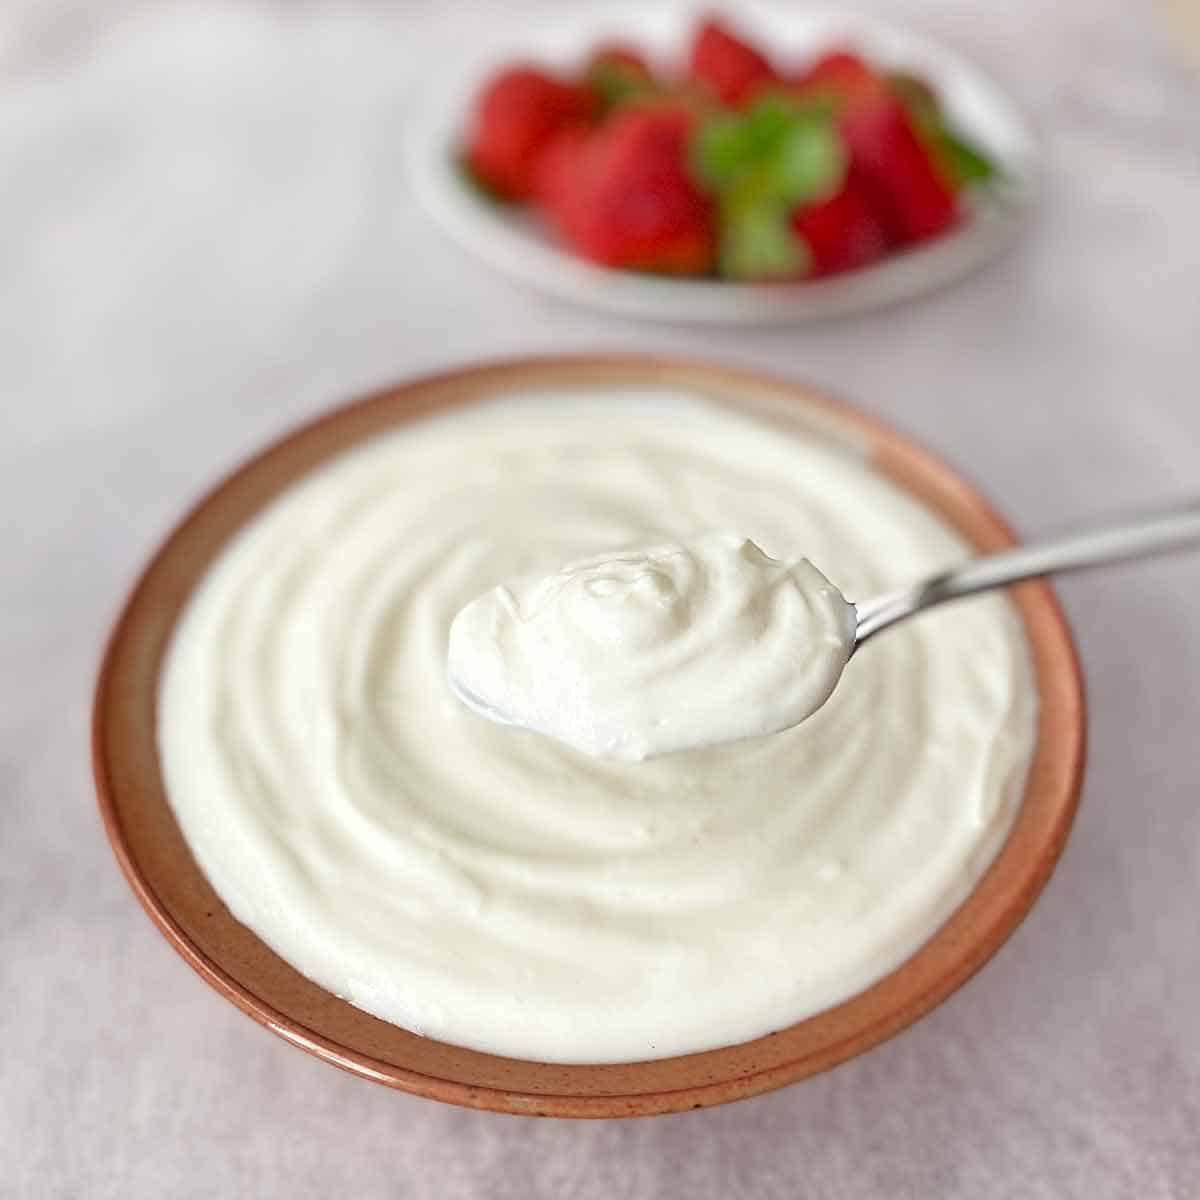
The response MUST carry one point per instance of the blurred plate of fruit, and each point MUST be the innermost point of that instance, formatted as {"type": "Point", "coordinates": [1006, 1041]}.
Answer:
{"type": "Point", "coordinates": [675, 163]}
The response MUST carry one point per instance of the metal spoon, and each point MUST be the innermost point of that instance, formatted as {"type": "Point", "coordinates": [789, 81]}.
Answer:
{"type": "Point", "coordinates": [1138, 537]}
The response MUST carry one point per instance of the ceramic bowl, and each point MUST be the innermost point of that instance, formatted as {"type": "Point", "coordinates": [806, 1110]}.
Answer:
{"type": "Point", "coordinates": [156, 860]}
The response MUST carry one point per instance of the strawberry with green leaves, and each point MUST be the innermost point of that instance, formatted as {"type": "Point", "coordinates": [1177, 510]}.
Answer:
{"type": "Point", "coordinates": [913, 197]}
{"type": "Point", "coordinates": [624, 196]}
{"type": "Point", "coordinates": [518, 113]}
{"type": "Point", "coordinates": [909, 159]}
{"type": "Point", "coordinates": [961, 162]}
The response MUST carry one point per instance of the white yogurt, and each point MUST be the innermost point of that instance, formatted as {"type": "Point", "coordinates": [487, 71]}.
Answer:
{"type": "Point", "coordinates": [496, 888]}
{"type": "Point", "coordinates": [658, 649]}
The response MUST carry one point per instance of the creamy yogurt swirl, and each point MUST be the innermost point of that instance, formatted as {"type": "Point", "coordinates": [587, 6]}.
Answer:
{"type": "Point", "coordinates": [496, 888]}
{"type": "Point", "coordinates": [656, 649]}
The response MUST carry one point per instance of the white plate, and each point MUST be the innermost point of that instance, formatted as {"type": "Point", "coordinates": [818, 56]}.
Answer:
{"type": "Point", "coordinates": [519, 246]}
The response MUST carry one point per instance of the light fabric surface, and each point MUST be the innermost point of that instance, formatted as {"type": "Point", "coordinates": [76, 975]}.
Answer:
{"type": "Point", "coordinates": [206, 237]}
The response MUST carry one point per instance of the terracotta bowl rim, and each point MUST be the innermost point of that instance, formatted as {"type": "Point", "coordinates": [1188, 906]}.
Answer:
{"type": "Point", "coordinates": [130, 790]}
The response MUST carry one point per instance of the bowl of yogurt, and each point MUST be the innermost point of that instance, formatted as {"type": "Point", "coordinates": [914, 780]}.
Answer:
{"type": "Point", "coordinates": [497, 917]}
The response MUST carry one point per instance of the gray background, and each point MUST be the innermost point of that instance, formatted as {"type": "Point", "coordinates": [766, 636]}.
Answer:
{"type": "Point", "coordinates": [205, 236]}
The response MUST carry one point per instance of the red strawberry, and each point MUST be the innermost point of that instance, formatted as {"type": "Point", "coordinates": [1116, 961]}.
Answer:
{"type": "Point", "coordinates": [907, 190]}
{"type": "Point", "coordinates": [626, 198]}
{"type": "Point", "coordinates": [557, 166]}
{"type": "Point", "coordinates": [516, 115]}
{"type": "Point", "coordinates": [843, 76]}
{"type": "Point", "coordinates": [731, 67]}
{"type": "Point", "coordinates": [842, 232]}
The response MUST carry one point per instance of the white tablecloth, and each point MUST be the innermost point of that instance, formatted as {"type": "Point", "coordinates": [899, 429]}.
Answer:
{"type": "Point", "coordinates": [206, 236]}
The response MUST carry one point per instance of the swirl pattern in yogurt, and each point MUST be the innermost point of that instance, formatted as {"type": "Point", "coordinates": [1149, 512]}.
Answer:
{"type": "Point", "coordinates": [498, 889]}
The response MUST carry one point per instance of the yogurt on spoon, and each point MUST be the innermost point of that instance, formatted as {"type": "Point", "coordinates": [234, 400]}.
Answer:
{"type": "Point", "coordinates": [655, 649]}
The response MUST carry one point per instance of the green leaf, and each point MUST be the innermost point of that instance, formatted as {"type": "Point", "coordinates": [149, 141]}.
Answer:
{"type": "Point", "coordinates": [809, 162]}
{"type": "Point", "coordinates": [769, 121]}
{"type": "Point", "coordinates": [790, 150]}
{"type": "Point", "coordinates": [966, 162]}
{"type": "Point", "coordinates": [721, 151]}
{"type": "Point", "coordinates": [763, 164]}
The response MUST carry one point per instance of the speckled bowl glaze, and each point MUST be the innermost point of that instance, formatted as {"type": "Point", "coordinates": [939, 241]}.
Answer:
{"type": "Point", "coordinates": [156, 860]}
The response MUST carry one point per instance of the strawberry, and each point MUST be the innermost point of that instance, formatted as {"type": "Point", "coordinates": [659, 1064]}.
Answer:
{"type": "Point", "coordinates": [960, 162]}
{"type": "Point", "coordinates": [843, 77]}
{"type": "Point", "coordinates": [625, 197]}
{"type": "Point", "coordinates": [732, 68]}
{"type": "Point", "coordinates": [557, 166]}
{"type": "Point", "coordinates": [618, 73]}
{"type": "Point", "coordinates": [517, 114]}
{"type": "Point", "coordinates": [842, 231]}
{"type": "Point", "coordinates": [908, 191]}
{"type": "Point", "coordinates": [895, 169]}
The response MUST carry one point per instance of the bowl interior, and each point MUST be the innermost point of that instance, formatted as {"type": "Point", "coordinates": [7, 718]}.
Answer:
{"type": "Point", "coordinates": [156, 860]}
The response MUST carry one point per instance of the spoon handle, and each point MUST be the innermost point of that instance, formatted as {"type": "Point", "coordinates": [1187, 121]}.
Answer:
{"type": "Point", "coordinates": [1156, 533]}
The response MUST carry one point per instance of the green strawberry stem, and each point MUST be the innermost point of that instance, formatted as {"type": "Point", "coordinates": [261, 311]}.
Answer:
{"type": "Point", "coordinates": [793, 149]}
{"type": "Point", "coordinates": [761, 165]}
{"type": "Point", "coordinates": [759, 243]}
